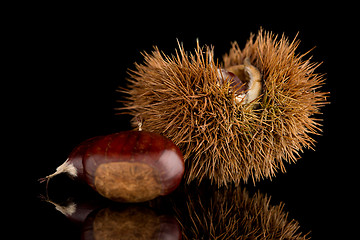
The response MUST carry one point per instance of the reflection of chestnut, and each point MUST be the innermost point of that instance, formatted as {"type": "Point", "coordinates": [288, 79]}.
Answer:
{"type": "Point", "coordinates": [133, 222]}
{"type": "Point", "coordinates": [76, 212]}
{"type": "Point", "coordinates": [129, 166]}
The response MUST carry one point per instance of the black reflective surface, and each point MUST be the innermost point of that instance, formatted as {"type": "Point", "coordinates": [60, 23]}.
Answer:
{"type": "Point", "coordinates": [75, 61]}
{"type": "Point", "coordinates": [302, 202]}
{"type": "Point", "coordinates": [284, 208]}
{"type": "Point", "coordinates": [192, 212]}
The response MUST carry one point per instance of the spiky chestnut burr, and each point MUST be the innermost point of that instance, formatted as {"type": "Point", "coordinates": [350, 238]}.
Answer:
{"type": "Point", "coordinates": [233, 121]}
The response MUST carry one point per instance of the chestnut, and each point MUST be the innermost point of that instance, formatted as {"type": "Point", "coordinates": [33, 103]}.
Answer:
{"type": "Point", "coordinates": [245, 79]}
{"type": "Point", "coordinates": [129, 166]}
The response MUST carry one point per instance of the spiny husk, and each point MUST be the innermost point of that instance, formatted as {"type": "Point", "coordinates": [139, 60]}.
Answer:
{"type": "Point", "coordinates": [231, 213]}
{"type": "Point", "coordinates": [180, 97]}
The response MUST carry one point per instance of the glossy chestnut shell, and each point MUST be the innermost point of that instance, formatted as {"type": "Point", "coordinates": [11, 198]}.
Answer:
{"type": "Point", "coordinates": [131, 166]}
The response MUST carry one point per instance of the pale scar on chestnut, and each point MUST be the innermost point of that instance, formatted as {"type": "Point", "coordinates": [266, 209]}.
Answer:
{"type": "Point", "coordinates": [127, 181]}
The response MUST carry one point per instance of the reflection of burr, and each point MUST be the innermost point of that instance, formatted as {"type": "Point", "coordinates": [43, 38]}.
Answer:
{"type": "Point", "coordinates": [235, 121]}
{"type": "Point", "coordinates": [230, 213]}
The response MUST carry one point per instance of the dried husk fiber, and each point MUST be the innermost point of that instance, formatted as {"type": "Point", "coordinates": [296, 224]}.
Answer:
{"type": "Point", "coordinates": [179, 96]}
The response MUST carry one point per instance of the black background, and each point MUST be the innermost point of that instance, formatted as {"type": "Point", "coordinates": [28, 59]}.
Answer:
{"type": "Point", "coordinates": [67, 62]}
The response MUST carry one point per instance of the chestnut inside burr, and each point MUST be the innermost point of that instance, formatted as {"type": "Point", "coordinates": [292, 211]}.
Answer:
{"type": "Point", "coordinates": [237, 77]}
{"type": "Point", "coordinates": [245, 81]}
{"type": "Point", "coordinates": [244, 78]}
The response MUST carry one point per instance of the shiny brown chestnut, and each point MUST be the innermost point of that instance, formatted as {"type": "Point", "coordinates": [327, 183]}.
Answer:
{"type": "Point", "coordinates": [129, 166]}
